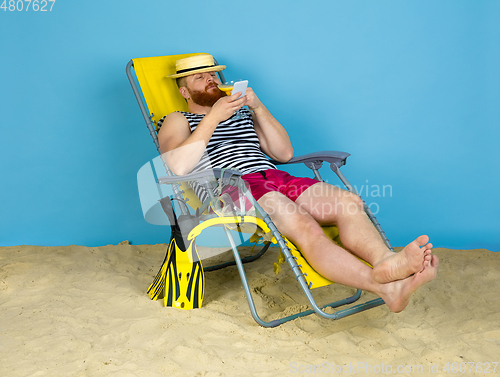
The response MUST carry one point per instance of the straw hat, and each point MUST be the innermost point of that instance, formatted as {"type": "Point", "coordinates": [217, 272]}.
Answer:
{"type": "Point", "coordinates": [195, 64]}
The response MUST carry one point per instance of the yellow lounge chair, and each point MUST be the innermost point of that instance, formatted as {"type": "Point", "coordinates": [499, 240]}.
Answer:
{"type": "Point", "coordinates": [158, 96]}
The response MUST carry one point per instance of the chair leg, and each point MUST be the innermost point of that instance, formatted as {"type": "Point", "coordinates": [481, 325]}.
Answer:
{"type": "Point", "coordinates": [244, 280]}
{"type": "Point", "coordinates": [305, 288]}
{"type": "Point", "coordinates": [307, 291]}
{"type": "Point", "coordinates": [248, 259]}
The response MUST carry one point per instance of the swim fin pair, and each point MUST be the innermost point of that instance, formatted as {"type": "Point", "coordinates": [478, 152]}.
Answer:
{"type": "Point", "coordinates": [180, 280]}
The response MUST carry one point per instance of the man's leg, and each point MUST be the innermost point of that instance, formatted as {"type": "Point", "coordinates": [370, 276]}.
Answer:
{"type": "Point", "coordinates": [334, 262]}
{"type": "Point", "coordinates": [330, 205]}
{"type": "Point", "coordinates": [329, 259]}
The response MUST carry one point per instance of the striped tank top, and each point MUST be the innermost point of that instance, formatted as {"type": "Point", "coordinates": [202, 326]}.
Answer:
{"type": "Point", "coordinates": [234, 144]}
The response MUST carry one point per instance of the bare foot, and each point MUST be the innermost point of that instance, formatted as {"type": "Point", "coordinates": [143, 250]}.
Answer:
{"type": "Point", "coordinates": [397, 294]}
{"type": "Point", "coordinates": [412, 259]}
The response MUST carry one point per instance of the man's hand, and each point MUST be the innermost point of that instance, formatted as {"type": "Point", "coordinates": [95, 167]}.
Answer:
{"type": "Point", "coordinates": [225, 107]}
{"type": "Point", "coordinates": [273, 138]}
{"type": "Point", "coordinates": [253, 101]}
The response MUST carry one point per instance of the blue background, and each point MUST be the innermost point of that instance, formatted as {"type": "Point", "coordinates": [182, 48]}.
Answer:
{"type": "Point", "coordinates": [410, 88]}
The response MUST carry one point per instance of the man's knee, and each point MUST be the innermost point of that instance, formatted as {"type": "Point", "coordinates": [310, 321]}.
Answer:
{"type": "Point", "coordinates": [351, 203]}
{"type": "Point", "coordinates": [307, 227]}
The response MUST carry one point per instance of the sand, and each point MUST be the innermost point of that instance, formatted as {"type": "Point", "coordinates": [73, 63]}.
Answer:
{"type": "Point", "coordinates": [83, 311]}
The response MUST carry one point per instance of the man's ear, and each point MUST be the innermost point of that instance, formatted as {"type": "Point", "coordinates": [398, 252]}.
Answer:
{"type": "Point", "coordinates": [184, 92]}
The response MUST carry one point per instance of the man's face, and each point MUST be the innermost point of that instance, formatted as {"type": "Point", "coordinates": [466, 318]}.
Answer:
{"type": "Point", "coordinates": [202, 87]}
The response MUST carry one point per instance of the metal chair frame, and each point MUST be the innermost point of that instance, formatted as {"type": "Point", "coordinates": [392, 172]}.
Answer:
{"type": "Point", "coordinates": [313, 161]}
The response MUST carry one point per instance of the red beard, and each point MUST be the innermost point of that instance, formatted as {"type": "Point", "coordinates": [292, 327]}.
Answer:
{"type": "Point", "coordinates": [207, 98]}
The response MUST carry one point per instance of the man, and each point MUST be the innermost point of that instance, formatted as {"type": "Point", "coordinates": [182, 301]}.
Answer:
{"type": "Point", "coordinates": [298, 206]}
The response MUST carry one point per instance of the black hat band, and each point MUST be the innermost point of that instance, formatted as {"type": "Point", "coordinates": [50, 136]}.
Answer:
{"type": "Point", "coordinates": [194, 69]}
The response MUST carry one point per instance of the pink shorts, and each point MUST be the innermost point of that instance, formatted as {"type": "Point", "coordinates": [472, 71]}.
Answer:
{"type": "Point", "coordinates": [265, 181]}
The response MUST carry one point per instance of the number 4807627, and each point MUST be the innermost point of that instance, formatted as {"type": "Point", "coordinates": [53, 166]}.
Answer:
{"type": "Point", "coordinates": [20, 5]}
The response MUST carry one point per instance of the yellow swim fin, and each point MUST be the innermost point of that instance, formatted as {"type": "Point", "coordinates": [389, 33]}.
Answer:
{"type": "Point", "coordinates": [180, 281]}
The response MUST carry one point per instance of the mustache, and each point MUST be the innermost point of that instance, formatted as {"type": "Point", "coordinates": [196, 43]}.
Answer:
{"type": "Point", "coordinates": [211, 85]}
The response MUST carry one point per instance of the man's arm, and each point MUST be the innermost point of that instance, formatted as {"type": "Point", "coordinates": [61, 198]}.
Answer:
{"type": "Point", "coordinates": [273, 138]}
{"type": "Point", "coordinates": [183, 149]}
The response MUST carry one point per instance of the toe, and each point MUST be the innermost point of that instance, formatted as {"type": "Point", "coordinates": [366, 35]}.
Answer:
{"type": "Point", "coordinates": [422, 240]}
{"type": "Point", "coordinates": [434, 261]}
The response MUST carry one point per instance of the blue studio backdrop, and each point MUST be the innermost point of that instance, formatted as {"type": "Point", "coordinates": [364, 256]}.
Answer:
{"type": "Point", "coordinates": [410, 88]}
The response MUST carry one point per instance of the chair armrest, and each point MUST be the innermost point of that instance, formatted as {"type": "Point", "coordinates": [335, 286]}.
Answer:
{"type": "Point", "coordinates": [202, 176]}
{"type": "Point", "coordinates": [315, 160]}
